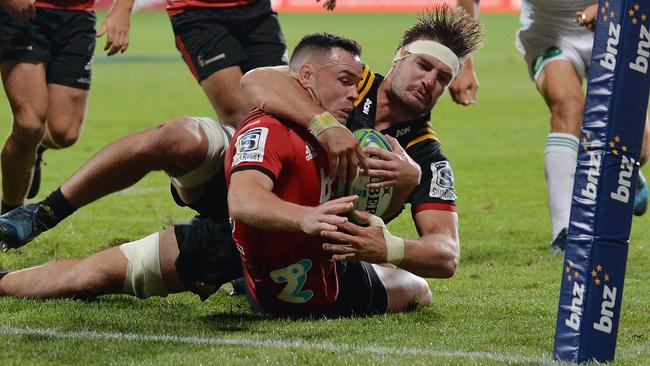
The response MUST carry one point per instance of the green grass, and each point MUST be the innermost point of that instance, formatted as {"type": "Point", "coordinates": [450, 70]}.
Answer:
{"type": "Point", "coordinates": [500, 307]}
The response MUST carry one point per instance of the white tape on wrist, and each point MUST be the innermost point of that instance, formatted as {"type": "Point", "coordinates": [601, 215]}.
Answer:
{"type": "Point", "coordinates": [394, 244]}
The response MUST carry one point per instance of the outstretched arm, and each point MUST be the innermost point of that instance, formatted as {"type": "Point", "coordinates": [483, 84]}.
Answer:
{"type": "Point", "coordinates": [464, 88]}
{"type": "Point", "coordinates": [116, 27]}
{"type": "Point", "coordinates": [273, 90]}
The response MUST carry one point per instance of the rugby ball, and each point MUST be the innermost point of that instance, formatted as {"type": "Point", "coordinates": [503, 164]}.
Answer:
{"type": "Point", "coordinates": [376, 200]}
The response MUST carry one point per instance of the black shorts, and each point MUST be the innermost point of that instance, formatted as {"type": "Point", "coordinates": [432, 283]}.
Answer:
{"type": "Point", "coordinates": [211, 39]}
{"type": "Point", "coordinates": [361, 293]}
{"type": "Point", "coordinates": [213, 201]}
{"type": "Point", "coordinates": [62, 39]}
{"type": "Point", "coordinates": [208, 257]}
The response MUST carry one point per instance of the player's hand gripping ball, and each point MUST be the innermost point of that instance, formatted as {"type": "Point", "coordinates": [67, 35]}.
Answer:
{"type": "Point", "coordinates": [376, 200]}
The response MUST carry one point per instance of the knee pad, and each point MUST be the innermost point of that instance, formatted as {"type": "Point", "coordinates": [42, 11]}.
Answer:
{"type": "Point", "coordinates": [143, 276]}
{"type": "Point", "coordinates": [218, 137]}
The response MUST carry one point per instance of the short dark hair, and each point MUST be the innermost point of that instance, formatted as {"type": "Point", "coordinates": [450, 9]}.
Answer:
{"type": "Point", "coordinates": [452, 27]}
{"type": "Point", "coordinates": [323, 42]}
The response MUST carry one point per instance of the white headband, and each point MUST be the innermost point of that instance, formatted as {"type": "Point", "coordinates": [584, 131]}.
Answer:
{"type": "Point", "coordinates": [431, 48]}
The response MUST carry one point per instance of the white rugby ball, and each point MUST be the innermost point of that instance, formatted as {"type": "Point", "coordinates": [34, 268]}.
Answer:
{"type": "Point", "coordinates": [376, 200]}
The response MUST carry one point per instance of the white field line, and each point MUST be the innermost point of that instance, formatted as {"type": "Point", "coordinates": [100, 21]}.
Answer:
{"type": "Point", "coordinates": [278, 344]}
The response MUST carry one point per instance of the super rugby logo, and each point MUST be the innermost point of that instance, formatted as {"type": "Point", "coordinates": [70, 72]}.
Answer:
{"type": "Point", "coordinates": [622, 193]}
{"type": "Point", "coordinates": [250, 146]}
{"type": "Point", "coordinates": [442, 181]}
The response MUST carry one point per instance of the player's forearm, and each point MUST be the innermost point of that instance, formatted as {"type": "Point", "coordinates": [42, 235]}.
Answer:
{"type": "Point", "coordinates": [431, 256]}
{"type": "Point", "coordinates": [126, 5]}
{"type": "Point", "coordinates": [274, 91]}
{"type": "Point", "coordinates": [264, 210]}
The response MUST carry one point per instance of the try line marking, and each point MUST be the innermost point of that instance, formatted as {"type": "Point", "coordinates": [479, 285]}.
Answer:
{"type": "Point", "coordinates": [278, 344]}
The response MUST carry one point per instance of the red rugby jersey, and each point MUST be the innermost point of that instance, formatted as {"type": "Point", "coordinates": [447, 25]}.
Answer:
{"type": "Point", "coordinates": [81, 5]}
{"type": "Point", "coordinates": [177, 6]}
{"type": "Point", "coordinates": [287, 272]}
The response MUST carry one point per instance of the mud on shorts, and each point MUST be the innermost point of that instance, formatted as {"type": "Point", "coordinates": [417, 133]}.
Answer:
{"type": "Point", "coordinates": [62, 39]}
{"type": "Point", "coordinates": [211, 39]}
{"type": "Point", "coordinates": [208, 257]}
{"type": "Point", "coordinates": [542, 44]}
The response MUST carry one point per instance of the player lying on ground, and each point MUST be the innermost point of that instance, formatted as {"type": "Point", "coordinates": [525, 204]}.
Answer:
{"type": "Point", "coordinates": [277, 173]}
{"type": "Point", "coordinates": [428, 58]}
{"type": "Point", "coordinates": [556, 40]}
{"type": "Point", "coordinates": [199, 255]}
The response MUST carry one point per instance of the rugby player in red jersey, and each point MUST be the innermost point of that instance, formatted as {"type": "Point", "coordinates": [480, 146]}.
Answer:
{"type": "Point", "coordinates": [279, 187]}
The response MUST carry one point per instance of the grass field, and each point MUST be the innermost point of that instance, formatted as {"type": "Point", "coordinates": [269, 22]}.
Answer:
{"type": "Point", "coordinates": [499, 308]}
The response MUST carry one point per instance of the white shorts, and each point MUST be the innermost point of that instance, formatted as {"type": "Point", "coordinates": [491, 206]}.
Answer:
{"type": "Point", "coordinates": [543, 43]}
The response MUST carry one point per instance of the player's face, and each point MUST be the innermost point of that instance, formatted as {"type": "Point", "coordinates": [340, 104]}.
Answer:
{"type": "Point", "coordinates": [335, 83]}
{"type": "Point", "coordinates": [419, 80]}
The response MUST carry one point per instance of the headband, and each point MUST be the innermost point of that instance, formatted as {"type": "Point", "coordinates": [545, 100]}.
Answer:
{"type": "Point", "coordinates": [431, 48]}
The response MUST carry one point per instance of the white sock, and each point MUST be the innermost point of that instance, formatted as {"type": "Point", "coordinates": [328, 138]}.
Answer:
{"type": "Point", "coordinates": [560, 157]}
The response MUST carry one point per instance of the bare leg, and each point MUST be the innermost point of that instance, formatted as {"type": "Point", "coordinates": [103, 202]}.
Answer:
{"type": "Point", "coordinates": [403, 288]}
{"type": "Point", "coordinates": [227, 98]}
{"type": "Point", "coordinates": [561, 87]}
{"type": "Point", "coordinates": [176, 147]}
{"type": "Point", "coordinates": [100, 274]}
{"type": "Point", "coordinates": [26, 90]}
{"type": "Point", "coordinates": [65, 115]}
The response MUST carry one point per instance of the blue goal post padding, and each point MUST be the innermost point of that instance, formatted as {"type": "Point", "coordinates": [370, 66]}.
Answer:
{"type": "Point", "coordinates": [593, 271]}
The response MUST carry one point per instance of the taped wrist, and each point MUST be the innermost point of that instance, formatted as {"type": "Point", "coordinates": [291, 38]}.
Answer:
{"type": "Point", "coordinates": [394, 244]}
{"type": "Point", "coordinates": [322, 122]}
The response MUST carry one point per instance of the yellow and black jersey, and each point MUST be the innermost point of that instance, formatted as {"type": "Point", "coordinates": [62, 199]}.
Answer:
{"type": "Point", "coordinates": [436, 190]}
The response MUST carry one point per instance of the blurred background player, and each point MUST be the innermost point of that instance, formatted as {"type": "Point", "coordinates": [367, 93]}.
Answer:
{"type": "Point", "coordinates": [46, 53]}
{"type": "Point", "coordinates": [46, 66]}
{"type": "Point", "coordinates": [219, 40]}
{"type": "Point", "coordinates": [556, 39]}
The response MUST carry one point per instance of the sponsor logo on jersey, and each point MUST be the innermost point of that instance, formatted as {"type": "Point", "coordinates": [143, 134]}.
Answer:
{"type": "Point", "coordinates": [402, 131]}
{"type": "Point", "coordinates": [250, 146]}
{"type": "Point", "coordinates": [442, 181]}
{"type": "Point", "coordinates": [310, 152]}
{"type": "Point", "coordinates": [366, 106]}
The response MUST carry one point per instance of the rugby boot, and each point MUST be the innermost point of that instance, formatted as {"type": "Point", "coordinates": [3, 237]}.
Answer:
{"type": "Point", "coordinates": [238, 287]}
{"type": "Point", "coordinates": [559, 243]}
{"type": "Point", "coordinates": [641, 196]}
{"type": "Point", "coordinates": [19, 226]}
{"type": "Point", "coordinates": [36, 178]}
